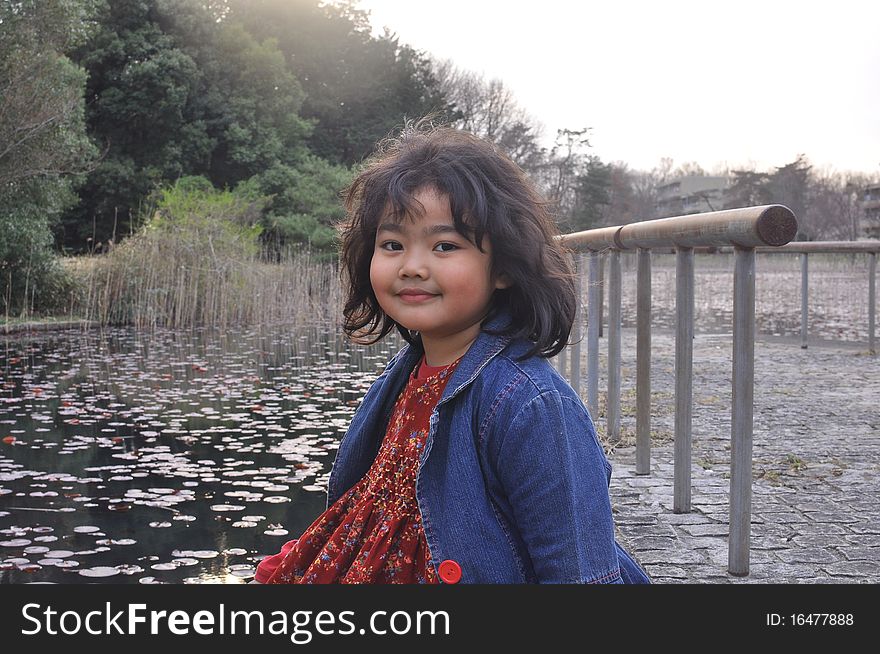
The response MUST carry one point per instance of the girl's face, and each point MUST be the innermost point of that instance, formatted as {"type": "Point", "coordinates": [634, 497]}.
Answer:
{"type": "Point", "coordinates": [431, 279]}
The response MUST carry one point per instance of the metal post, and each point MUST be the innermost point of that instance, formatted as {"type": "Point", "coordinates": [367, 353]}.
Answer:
{"type": "Point", "coordinates": [593, 337]}
{"type": "Point", "coordinates": [612, 401]}
{"type": "Point", "coordinates": [684, 356]}
{"type": "Point", "coordinates": [804, 300]}
{"type": "Point", "coordinates": [561, 357]}
{"type": "Point", "coordinates": [643, 363]}
{"type": "Point", "coordinates": [575, 376]}
{"type": "Point", "coordinates": [601, 295]}
{"type": "Point", "coordinates": [872, 300]}
{"type": "Point", "coordinates": [742, 411]}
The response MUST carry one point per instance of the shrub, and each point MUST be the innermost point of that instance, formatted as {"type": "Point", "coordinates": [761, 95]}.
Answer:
{"type": "Point", "coordinates": [198, 261]}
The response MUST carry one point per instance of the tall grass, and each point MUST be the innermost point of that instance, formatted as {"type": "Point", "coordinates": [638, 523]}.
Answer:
{"type": "Point", "coordinates": [150, 287]}
{"type": "Point", "coordinates": [198, 262]}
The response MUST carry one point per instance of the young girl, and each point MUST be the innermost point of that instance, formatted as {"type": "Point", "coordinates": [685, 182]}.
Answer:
{"type": "Point", "coordinates": [470, 459]}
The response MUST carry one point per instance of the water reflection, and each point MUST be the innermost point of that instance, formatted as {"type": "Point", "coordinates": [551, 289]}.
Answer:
{"type": "Point", "coordinates": [168, 457]}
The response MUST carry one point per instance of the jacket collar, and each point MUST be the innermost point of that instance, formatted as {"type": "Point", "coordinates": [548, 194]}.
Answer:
{"type": "Point", "coordinates": [474, 360]}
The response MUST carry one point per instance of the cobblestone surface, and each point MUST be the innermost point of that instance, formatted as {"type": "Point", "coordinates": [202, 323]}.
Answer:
{"type": "Point", "coordinates": [816, 465]}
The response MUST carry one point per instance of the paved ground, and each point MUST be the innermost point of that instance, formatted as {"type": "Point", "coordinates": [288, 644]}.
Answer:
{"type": "Point", "coordinates": [816, 452]}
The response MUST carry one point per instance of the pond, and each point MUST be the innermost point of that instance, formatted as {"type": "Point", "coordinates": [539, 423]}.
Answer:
{"type": "Point", "coordinates": [168, 457]}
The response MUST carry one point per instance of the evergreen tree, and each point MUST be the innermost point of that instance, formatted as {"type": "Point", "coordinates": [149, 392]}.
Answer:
{"type": "Point", "coordinates": [791, 185]}
{"type": "Point", "coordinates": [747, 188]}
{"type": "Point", "coordinates": [593, 195]}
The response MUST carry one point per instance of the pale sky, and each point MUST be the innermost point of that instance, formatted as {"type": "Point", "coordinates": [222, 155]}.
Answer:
{"type": "Point", "coordinates": [744, 82]}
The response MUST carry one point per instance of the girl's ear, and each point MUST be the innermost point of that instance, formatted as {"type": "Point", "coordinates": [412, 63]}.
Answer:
{"type": "Point", "coordinates": [502, 281]}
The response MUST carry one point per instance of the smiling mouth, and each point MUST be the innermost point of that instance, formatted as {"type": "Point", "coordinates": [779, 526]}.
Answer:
{"type": "Point", "coordinates": [410, 297]}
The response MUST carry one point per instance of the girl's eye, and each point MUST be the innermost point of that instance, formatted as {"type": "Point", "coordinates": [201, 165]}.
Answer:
{"type": "Point", "coordinates": [447, 247]}
{"type": "Point", "coordinates": [391, 245]}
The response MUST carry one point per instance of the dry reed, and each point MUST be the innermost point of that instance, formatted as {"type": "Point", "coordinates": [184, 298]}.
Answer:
{"type": "Point", "coordinates": [150, 283]}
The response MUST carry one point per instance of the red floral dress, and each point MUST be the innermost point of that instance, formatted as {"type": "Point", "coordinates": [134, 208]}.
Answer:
{"type": "Point", "coordinates": [373, 533]}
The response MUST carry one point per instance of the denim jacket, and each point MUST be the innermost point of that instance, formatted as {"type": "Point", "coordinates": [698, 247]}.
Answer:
{"type": "Point", "coordinates": [512, 483]}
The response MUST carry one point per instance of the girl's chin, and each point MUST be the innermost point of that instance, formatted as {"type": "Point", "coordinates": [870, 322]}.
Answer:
{"type": "Point", "coordinates": [414, 326]}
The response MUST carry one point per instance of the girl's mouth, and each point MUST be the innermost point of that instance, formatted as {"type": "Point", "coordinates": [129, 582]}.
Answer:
{"type": "Point", "coordinates": [411, 297]}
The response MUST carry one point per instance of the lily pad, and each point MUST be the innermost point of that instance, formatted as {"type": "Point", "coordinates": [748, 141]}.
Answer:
{"type": "Point", "coordinates": [99, 571]}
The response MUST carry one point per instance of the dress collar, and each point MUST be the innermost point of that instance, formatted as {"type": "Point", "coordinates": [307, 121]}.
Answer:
{"type": "Point", "coordinates": [481, 351]}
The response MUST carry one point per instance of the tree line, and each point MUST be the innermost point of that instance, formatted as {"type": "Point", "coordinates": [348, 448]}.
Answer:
{"type": "Point", "coordinates": [105, 103]}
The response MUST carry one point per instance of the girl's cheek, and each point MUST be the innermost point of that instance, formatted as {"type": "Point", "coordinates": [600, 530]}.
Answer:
{"type": "Point", "coordinates": [374, 272]}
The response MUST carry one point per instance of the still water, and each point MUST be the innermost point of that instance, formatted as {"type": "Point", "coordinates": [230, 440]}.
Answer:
{"type": "Point", "coordinates": [168, 457]}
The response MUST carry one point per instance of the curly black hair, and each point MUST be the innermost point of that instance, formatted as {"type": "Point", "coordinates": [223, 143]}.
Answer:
{"type": "Point", "coordinates": [489, 196]}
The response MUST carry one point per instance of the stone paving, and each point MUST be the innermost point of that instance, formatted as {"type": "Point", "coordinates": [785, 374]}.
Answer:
{"type": "Point", "coordinates": [816, 465]}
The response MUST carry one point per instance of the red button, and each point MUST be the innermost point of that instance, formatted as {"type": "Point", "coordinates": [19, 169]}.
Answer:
{"type": "Point", "coordinates": [450, 571]}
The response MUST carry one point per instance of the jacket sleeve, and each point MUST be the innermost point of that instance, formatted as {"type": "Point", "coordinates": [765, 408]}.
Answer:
{"type": "Point", "coordinates": [555, 476]}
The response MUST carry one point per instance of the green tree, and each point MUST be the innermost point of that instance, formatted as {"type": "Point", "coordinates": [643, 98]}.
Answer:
{"type": "Point", "coordinates": [181, 87]}
{"type": "Point", "coordinates": [304, 202]}
{"type": "Point", "coordinates": [140, 93]}
{"type": "Point", "coordinates": [358, 87]}
{"type": "Point", "coordinates": [43, 143]}
{"type": "Point", "coordinates": [41, 91]}
{"type": "Point", "coordinates": [257, 121]}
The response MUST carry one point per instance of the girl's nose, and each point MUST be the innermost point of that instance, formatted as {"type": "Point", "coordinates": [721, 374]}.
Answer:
{"type": "Point", "coordinates": [413, 265]}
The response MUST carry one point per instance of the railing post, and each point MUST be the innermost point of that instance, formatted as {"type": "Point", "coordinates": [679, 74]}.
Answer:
{"type": "Point", "coordinates": [560, 360]}
{"type": "Point", "coordinates": [601, 312]}
{"type": "Point", "coordinates": [872, 300]}
{"type": "Point", "coordinates": [749, 227]}
{"type": "Point", "coordinates": [643, 363]}
{"type": "Point", "coordinates": [593, 337]}
{"type": "Point", "coordinates": [684, 355]}
{"type": "Point", "coordinates": [804, 299]}
{"type": "Point", "coordinates": [575, 376]}
{"type": "Point", "coordinates": [742, 411]}
{"type": "Point", "coordinates": [612, 401]}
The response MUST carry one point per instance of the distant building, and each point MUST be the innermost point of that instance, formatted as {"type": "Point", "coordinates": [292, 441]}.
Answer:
{"type": "Point", "coordinates": [691, 194]}
{"type": "Point", "coordinates": [870, 202]}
